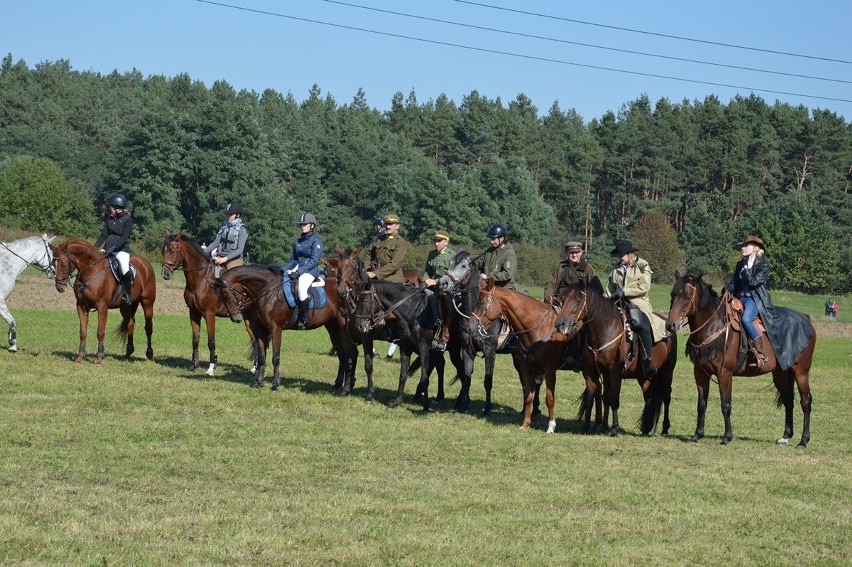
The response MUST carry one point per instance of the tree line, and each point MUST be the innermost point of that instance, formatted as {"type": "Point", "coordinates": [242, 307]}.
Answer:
{"type": "Point", "coordinates": [685, 181]}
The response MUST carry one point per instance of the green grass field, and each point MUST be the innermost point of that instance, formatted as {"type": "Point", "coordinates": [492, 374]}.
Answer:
{"type": "Point", "coordinates": [144, 463]}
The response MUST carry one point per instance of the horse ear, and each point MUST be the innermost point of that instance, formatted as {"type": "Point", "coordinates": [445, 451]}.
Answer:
{"type": "Point", "coordinates": [168, 233]}
{"type": "Point", "coordinates": [677, 275]}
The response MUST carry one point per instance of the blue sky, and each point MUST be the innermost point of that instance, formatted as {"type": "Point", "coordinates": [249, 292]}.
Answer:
{"type": "Point", "coordinates": [280, 44]}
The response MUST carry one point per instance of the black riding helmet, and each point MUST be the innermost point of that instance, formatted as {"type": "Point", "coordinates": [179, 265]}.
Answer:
{"type": "Point", "coordinates": [496, 230]}
{"type": "Point", "coordinates": [117, 201]}
{"type": "Point", "coordinates": [234, 209]}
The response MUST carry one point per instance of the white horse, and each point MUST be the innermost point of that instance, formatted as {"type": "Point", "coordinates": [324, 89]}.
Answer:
{"type": "Point", "coordinates": [14, 257]}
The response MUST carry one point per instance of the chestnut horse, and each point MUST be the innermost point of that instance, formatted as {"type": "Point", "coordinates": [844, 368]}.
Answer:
{"type": "Point", "coordinates": [97, 289]}
{"type": "Point", "coordinates": [256, 293]}
{"type": "Point", "coordinates": [713, 346]}
{"type": "Point", "coordinates": [200, 293]}
{"type": "Point", "coordinates": [533, 321]}
{"type": "Point", "coordinates": [607, 352]}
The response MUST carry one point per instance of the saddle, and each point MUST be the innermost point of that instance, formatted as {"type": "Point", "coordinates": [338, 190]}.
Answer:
{"type": "Point", "coordinates": [115, 268]}
{"type": "Point", "coordinates": [316, 293]}
{"type": "Point", "coordinates": [735, 312]}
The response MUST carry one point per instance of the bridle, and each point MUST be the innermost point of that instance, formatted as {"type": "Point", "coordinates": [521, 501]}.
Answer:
{"type": "Point", "coordinates": [180, 262]}
{"type": "Point", "coordinates": [49, 271]}
{"type": "Point", "coordinates": [76, 268]}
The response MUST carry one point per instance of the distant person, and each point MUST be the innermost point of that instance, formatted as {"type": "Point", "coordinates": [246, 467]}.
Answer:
{"type": "Point", "coordinates": [834, 310]}
{"type": "Point", "coordinates": [829, 308]}
{"type": "Point", "coordinates": [570, 271]}
{"type": "Point", "coordinates": [304, 264]}
{"type": "Point", "coordinates": [437, 264]}
{"type": "Point", "coordinates": [228, 247]}
{"type": "Point", "coordinates": [114, 239]}
{"type": "Point", "coordinates": [499, 262]}
{"type": "Point", "coordinates": [630, 281]}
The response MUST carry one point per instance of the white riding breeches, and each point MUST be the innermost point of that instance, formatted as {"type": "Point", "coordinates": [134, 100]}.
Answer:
{"type": "Point", "coordinates": [123, 261]}
{"type": "Point", "coordinates": [305, 281]}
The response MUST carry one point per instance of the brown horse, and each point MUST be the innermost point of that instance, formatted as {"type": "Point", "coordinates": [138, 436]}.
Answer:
{"type": "Point", "coordinates": [96, 289]}
{"type": "Point", "coordinates": [200, 293]}
{"type": "Point", "coordinates": [533, 321]}
{"type": "Point", "coordinates": [713, 346]}
{"type": "Point", "coordinates": [256, 293]}
{"type": "Point", "coordinates": [609, 353]}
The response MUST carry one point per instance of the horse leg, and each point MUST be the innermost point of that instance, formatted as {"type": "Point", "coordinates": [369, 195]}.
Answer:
{"type": "Point", "coordinates": [368, 368]}
{"type": "Point", "coordinates": [667, 400]}
{"type": "Point", "coordinates": [550, 399]}
{"type": "Point", "coordinates": [490, 351]}
{"type": "Point", "coordinates": [425, 369]}
{"type": "Point", "coordinates": [803, 383]}
{"type": "Point", "coordinates": [529, 388]}
{"type": "Point", "coordinates": [195, 324]}
{"type": "Point", "coordinates": [13, 335]}
{"type": "Point", "coordinates": [262, 341]}
{"type": "Point", "coordinates": [465, 377]}
{"type": "Point", "coordinates": [784, 384]}
{"type": "Point", "coordinates": [102, 320]}
{"type": "Point", "coordinates": [83, 316]}
{"type": "Point", "coordinates": [614, 400]}
{"type": "Point", "coordinates": [404, 361]}
{"type": "Point", "coordinates": [440, 365]}
{"type": "Point", "coordinates": [276, 357]}
{"type": "Point", "coordinates": [702, 385]}
{"type": "Point", "coordinates": [725, 388]}
{"type": "Point", "coordinates": [210, 321]}
{"type": "Point", "coordinates": [148, 313]}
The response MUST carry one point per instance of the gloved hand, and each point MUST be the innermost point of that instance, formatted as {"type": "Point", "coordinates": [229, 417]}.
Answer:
{"type": "Point", "coordinates": [619, 294]}
{"type": "Point", "coordinates": [292, 271]}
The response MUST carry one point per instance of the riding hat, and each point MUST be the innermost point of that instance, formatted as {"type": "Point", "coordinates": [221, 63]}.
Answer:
{"type": "Point", "coordinates": [307, 218]}
{"type": "Point", "coordinates": [118, 201]}
{"type": "Point", "coordinates": [391, 219]}
{"type": "Point", "coordinates": [753, 240]}
{"type": "Point", "coordinates": [497, 230]}
{"type": "Point", "coordinates": [441, 235]}
{"type": "Point", "coordinates": [379, 221]}
{"type": "Point", "coordinates": [234, 209]}
{"type": "Point", "coordinates": [573, 246]}
{"type": "Point", "coordinates": [623, 247]}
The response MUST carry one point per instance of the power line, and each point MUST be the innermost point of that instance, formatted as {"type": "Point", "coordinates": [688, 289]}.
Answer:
{"type": "Point", "coordinates": [519, 55]}
{"type": "Point", "coordinates": [569, 42]}
{"type": "Point", "coordinates": [631, 30]}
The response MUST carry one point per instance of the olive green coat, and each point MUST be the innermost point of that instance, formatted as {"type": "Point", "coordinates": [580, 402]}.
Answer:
{"type": "Point", "coordinates": [500, 265]}
{"type": "Point", "coordinates": [388, 254]}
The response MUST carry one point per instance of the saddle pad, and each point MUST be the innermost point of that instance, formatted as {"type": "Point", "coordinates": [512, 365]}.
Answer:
{"type": "Point", "coordinates": [316, 293]}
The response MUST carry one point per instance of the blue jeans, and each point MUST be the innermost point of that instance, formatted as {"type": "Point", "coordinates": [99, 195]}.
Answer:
{"type": "Point", "coordinates": [749, 315]}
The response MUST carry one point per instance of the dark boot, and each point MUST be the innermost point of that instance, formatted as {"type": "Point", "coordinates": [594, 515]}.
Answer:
{"type": "Point", "coordinates": [648, 368]}
{"type": "Point", "coordinates": [304, 311]}
{"type": "Point", "coordinates": [127, 285]}
{"type": "Point", "coordinates": [757, 348]}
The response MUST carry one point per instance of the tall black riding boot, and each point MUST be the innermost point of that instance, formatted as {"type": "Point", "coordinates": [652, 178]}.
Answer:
{"type": "Point", "coordinates": [647, 340]}
{"type": "Point", "coordinates": [127, 285]}
{"type": "Point", "coordinates": [304, 308]}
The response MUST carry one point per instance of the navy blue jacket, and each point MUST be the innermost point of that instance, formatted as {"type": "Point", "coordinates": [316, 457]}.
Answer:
{"type": "Point", "coordinates": [307, 252]}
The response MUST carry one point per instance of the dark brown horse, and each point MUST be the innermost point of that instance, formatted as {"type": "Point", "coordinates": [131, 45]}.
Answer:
{"type": "Point", "coordinates": [96, 289]}
{"type": "Point", "coordinates": [200, 293]}
{"type": "Point", "coordinates": [608, 353]}
{"type": "Point", "coordinates": [256, 293]}
{"type": "Point", "coordinates": [533, 321]}
{"type": "Point", "coordinates": [713, 346]}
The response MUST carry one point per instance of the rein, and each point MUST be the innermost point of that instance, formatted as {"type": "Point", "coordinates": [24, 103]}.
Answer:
{"type": "Point", "coordinates": [375, 322]}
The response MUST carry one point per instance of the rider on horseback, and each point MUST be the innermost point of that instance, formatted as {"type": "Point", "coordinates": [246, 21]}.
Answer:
{"type": "Point", "coordinates": [114, 239]}
{"type": "Point", "coordinates": [748, 284]}
{"type": "Point", "coordinates": [304, 264]}
{"type": "Point", "coordinates": [229, 245]}
{"type": "Point", "coordinates": [630, 280]}
{"type": "Point", "coordinates": [437, 264]}
{"type": "Point", "coordinates": [499, 263]}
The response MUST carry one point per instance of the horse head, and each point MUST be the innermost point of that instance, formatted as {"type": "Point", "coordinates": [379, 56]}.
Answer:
{"type": "Point", "coordinates": [63, 266]}
{"type": "Point", "coordinates": [575, 305]}
{"type": "Point", "coordinates": [350, 276]}
{"type": "Point", "coordinates": [461, 276]}
{"type": "Point", "coordinates": [180, 251]}
{"type": "Point", "coordinates": [687, 296]}
{"type": "Point", "coordinates": [486, 310]}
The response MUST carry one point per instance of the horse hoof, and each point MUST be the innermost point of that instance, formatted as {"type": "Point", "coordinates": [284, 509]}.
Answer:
{"type": "Point", "coordinates": [149, 354]}
{"type": "Point", "coordinates": [783, 442]}
{"type": "Point", "coordinates": [551, 426]}
{"type": "Point", "coordinates": [394, 404]}
{"type": "Point", "coordinates": [257, 385]}
{"type": "Point", "coordinates": [211, 371]}
{"type": "Point", "coordinates": [13, 348]}
{"type": "Point", "coordinates": [613, 432]}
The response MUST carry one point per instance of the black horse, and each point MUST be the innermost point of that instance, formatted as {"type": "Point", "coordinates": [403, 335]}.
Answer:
{"type": "Point", "coordinates": [407, 313]}
{"type": "Point", "coordinates": [463, 280]}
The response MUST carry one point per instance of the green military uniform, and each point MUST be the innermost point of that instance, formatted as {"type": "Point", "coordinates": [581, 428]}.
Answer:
{"type": "Point", "coordinates": [500, 265]}
{"type": "Point", "coordinates": [387, 255]}
{"type": "Point", "coordinates": [438, 263]}
{"type": "Point", "coordinates": [567, 274]}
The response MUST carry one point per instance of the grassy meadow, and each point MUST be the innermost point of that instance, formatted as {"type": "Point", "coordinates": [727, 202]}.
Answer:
{"type": "Point", "coordinates": [145, 463]}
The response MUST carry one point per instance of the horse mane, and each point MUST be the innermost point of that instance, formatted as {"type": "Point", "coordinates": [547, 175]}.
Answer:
{"type": "Point", "coordinates": [600, 307]}
{"type": "Point", "coordinates": [394, 292]}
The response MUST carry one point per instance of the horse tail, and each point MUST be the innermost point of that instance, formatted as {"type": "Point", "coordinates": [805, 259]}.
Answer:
{"type": "Point", "coordinates": [122, 331]}
{"type": "Point", "coordinates": [651, 412]}
{"type": "Point", "coordinates": [581, 405]}
{"type": "Point", "coordinates": [414, 367]}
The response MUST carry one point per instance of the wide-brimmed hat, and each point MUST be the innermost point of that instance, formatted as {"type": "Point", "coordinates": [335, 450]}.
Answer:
{"type": "Point", "coordinates": [623, 247]}
{"type": "Point", "coordinates": [573, 246]}
{"type": "Point", "coordinates": [752, 240]}
{"type": "Point", "coordinates": [441, 235]}
{"type": "Point", "coordinates": [391, 219]}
